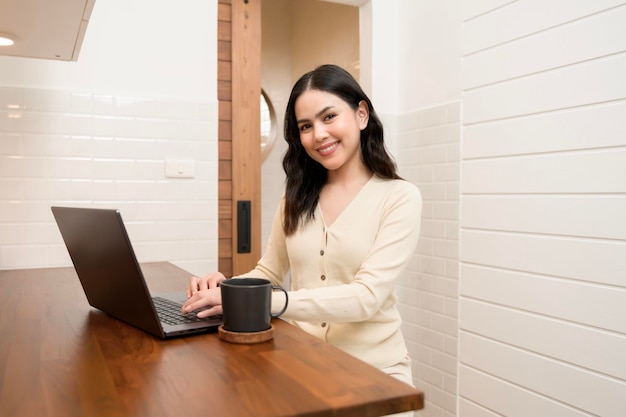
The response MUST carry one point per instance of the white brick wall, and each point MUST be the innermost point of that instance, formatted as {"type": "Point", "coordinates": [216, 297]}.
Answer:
{"type": "Point", "coordinates": [427, 152]}
{"type": "Point", "coordinates": [106, 150]}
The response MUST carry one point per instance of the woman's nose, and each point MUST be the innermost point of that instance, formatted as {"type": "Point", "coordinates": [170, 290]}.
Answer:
{"type": "Point", "coordinates": [319, 133]}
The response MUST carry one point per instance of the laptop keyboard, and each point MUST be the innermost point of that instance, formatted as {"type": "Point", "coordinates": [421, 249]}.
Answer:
{"type": "Point", "coordinates": [169, 312]}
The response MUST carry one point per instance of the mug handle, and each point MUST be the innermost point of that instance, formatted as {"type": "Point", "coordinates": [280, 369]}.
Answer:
{"type": "Point", "coordinates": [276, 287]}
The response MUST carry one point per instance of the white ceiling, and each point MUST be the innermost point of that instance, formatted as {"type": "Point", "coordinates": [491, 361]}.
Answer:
{"type": "Point", "coordinates": [46, 29]}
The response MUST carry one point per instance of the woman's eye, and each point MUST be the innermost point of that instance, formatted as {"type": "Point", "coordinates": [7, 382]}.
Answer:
{"type": "Point", "coordinates": [304, 127]}
{"type": "Point", "coordinates": [329, 117]}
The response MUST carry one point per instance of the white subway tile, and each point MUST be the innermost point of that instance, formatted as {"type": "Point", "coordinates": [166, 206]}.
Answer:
{"type": "Point", "coordinates": [447, 172]}
{"type": "Point", "coordinates": [135, 190]}
{"type": "Point", "coordinates": [431, 375]}
{"type": "Point", "coordinates": [10, 233]}
{"type": "Point", "coordinates": [425, 174]}
{"type": "Point", "coordinates": [444, 362]}
{"type": "Point", "coordinates": [67, 123]}
{"type": "Point", "coordinates": [81, 146]}
{"type": "Point", "coordinates": [452, 344]}
{"type": "Point", "coordinates": [453, 152]}
{"type": "Point", "coordinates": [158, 210]}
{"type": "Point", "coordinates": [46, 100]}
{"type": "Point", "coordinates": [177, 230]}
{"type": "Point", "coordinates": [106, 126]}
{"type": "Point", "coordinates": [177, 109]}
{"type": "Point", "coordinates": [96, 190]}
{"type": "Point", "coordinates": [446, 325]}
{"type": "Point", "coordinates": [11, 189]}
{"type": "Point", "coordinates": [136, 106]}
{"type": "Point", "coordinates": [430, 157]}
{"type": "Point", "coordinates": [118, 169]}
{"type": "Point", "coordinates": [81, 103]}
{"type": "Point", "coordinates": [177, 189]}
{"type": "Point", "coordinates": [137, 148]}
{"type": "Point", "coordinates": [448, 210]}
{"type": "Point", "coordinates": [448, 249]}
{"type": "Point", "coordinates": [69, 168]}
{"type": "Point", "coordinates": [433, 191]}
{"type": "Point", "coordinates": [424, 137]}
{"type": "Point", "coordinates": [22, 167]}
{"type": "Point", "coordinates": [46, 188]}
{"type": "Point", "coordinates": [433, 154]}
{"type": "Point", "coordinates": [23, 256]}
{"type": "Point", "coordinates": [433, 228]}
{"type": "Point", "coordinates": [104, 104]}
{"type": "Point", "coordinates": [20, 121]}
{"type": "Point", "coordinates": [148, 170]}
{"type": "Point", "coordinates": [434, 116]}
{"type": "Point", "coordinates": [11, 98]}
{"type": "Point", "coordinates": [203, 209]}
{"type": "Point", "coordinates": [433, 303]}
{"type": "Point", "coordinates": [447, 134]}
{"type": "Point", "coordinates": [407, 296]}
{"type": "Point", "coordinates": [434, 265]}
{"type": "Point", "coordinates": [142, 231]}
{"type": "Point", "coordinates": [425, 281]}
{"type": "Point", "coordinates": [452, 307]}
{"type": "Point", "coordinates": [453, 112]}
{"type": "Point", "coordinates": [453, 191]}
{"type": "Point", "coordinates": [444, 399]}
{"type": "Point", "coordinates": [446, 287]}
{"type": "Point", "coordinates": [38, 233]}
{"type": "Point", "coordinates": [425, 247]}
{"type": "Point", "coordinates": [45, 145]}
{"type": "Point", "coordinates": [10, 144]}
{"type": "Point", "coordinates": [452, 268]}
{"type": "Point", "coordinates": [83, 149]}
{"type": "Point", "coordinates": [423, 352]}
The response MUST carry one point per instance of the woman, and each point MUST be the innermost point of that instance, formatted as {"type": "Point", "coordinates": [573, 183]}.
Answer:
{"type": "Point", "coordinates": [345, 229]}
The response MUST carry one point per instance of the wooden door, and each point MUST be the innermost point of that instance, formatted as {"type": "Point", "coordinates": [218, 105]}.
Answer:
{"type": "Point", "coordinates": [239, 167]}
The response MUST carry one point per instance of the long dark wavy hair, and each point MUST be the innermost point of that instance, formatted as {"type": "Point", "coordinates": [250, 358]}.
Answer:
{"type": "Point", "coordinates": [306, 177]}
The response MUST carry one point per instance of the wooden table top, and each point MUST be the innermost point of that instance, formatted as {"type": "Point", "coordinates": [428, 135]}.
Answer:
{"type": "Point", "coordinates": [60, 357]}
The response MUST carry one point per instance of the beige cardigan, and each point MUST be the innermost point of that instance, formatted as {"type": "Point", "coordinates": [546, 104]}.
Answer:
{"type": "Point", "coordinates": [343, 277]}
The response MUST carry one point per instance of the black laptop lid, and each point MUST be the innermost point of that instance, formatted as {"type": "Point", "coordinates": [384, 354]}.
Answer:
{"type": "Point", "coordinates": [106, 265]}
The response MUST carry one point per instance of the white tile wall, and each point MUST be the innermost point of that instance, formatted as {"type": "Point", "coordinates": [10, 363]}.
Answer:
{"type": "Point", "coordinates": [428, 154]}
{"type": "Point", "coordinates": [103, 150]}
{"type": "Point", "coordinates": [543, 237]}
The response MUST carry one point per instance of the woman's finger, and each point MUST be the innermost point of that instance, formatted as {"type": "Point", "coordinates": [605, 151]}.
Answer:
{"type": "Point", "coordinates": [213, 311]}
{"type": "Point", "coordinates": [193, 286]}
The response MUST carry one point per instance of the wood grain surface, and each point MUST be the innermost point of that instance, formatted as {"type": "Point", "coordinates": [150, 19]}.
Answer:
{"type": "Point", "coordinates": [60, 357]}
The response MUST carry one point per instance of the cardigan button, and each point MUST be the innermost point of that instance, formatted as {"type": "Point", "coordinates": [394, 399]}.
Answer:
{"type": "Point", "coordinates": [323, 277]}
{"type": "Point", "coordinates": [323, 324]}
{"type": "Point", "coordinates": [322, 252]}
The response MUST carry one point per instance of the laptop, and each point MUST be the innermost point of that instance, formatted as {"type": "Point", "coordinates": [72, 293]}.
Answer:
{"type": "Point", "coordinates": [111, 277]}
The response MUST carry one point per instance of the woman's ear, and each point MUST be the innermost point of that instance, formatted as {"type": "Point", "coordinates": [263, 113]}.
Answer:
{"type": "Point", "coordinates": [363, 114]}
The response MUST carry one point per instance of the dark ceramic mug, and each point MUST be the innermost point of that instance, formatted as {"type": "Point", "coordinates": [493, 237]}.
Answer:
{"type": "Point", "coordinates": [247, 303]}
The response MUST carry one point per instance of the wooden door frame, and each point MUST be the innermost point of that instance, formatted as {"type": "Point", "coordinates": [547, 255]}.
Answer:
{"type": "Point", "coordinates": [239, 144]}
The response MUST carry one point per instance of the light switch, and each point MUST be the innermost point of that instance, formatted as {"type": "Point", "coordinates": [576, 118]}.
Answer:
{"type": "Point", "coordinates": [179, 168]}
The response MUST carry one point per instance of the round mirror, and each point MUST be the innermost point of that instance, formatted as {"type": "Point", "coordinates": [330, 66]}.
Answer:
{"type": "Point", "coordinates": [268, 125]}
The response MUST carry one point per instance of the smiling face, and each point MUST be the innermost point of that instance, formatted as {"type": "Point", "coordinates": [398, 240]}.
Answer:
{"type": "Point", "coordinates": [330, 130]}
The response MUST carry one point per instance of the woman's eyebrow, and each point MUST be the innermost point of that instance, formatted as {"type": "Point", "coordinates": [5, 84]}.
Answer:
{"type": "Point", "coordinates": [324, 110]}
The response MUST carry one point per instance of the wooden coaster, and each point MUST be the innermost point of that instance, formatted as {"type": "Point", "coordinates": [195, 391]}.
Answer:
{"type": "Point", "coordinates": [246, 338]}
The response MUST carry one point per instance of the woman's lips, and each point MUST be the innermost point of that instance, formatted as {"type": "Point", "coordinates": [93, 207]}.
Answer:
{"type": "Point", "coordinates": [327, 150]}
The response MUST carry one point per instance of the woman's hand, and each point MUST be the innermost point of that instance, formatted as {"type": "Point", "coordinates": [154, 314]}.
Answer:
{"type": "Point", "coordinates": [204, 294]}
